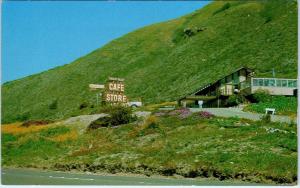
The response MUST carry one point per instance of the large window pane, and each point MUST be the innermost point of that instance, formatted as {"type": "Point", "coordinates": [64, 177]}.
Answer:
{"type": "Point", "coordinates": [266, 82]}
{"type": "Point", "coordinates": [278, 83]}
{"type": "Point", "coordinates": [255, 82]}
{"type": "Point", "coordinates": [284, 83]}
{"type": "Point", "coordinates": [292, 83]}
{"type": "Point", "coordinates": [272, 82]}
{"type": "Point", "coordinates": [261, 82]}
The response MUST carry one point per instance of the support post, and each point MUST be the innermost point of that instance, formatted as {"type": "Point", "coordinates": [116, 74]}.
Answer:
{"type": "Point", "coordinates": [97, 98]}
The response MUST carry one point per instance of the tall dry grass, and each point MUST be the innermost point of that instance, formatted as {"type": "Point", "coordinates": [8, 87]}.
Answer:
{"type": "Point", "coordinates": [72, 135]}
{"type": "Point", "coordinates": [16, 128]}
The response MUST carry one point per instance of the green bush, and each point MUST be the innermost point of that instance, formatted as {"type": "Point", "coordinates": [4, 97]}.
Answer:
{"type": "Point", "coordinates": [232, 100]}
{"type": "Point", "coordinates": [266, 118]}
{"type": "Point", "coordinates": [83, 105]}
{"type": "Point", "coordinates": [283, 105]}
{"type": "Point", "coordinates": [53, 105]}
{"type": "Point", "coordinates": [101, 122]}
{"type": "Point", "coordinates": [262, 96]}
{"type": "Point", "coordinates": [235, 99]}
{"type": "Point", "coordinates": [118, 115]}
{"type": "Point", "coordinates": [121, 115]}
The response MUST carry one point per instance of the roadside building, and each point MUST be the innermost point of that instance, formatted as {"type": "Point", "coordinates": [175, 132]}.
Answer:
{"type": "Point", "coordinates": [240, 81]}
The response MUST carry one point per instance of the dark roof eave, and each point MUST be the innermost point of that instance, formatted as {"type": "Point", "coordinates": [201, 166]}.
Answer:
{"type": "Point", "coordinates": [193, 93]}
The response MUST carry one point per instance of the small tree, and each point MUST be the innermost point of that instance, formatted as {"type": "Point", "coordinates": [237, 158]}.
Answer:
{"type": "Point", "coordinates": [121, 115]}
{"type": "Point", "coordinates": [262, 96]}
{"type": "Point", "coordinates": [232, 100]}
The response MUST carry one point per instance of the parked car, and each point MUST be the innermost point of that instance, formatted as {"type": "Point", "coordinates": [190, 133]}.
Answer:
{"type": "Point", "coordinates": [135, 104]}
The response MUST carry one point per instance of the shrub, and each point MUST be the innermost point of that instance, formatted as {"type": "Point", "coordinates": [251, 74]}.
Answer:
{"type": "Point", "coordinates": [188, 32]}
{"type": "Point", "coordinates": [232, 100]}
{"type": "Point", "coordinates": [83, 105]}
{"type": "Point", "coordinates": [118, 115]}
{"type": "Point", "coordinates": [266, 118]}
{"type": "Point", "coordinates": [101, 122]}
{"type": "Point", "coordinates": [121, 115]}
{"type": "Point", "coordinates": [262, 96]}
{"type": "Point", "coordinates": [205, 115]}
{"type": "Point", "coordinates": [53, 105]}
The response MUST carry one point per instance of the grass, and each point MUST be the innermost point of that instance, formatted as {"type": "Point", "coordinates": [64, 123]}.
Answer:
{"type": "Point", "coordinates": [193, 146]}
{"type": "Point", "coordinates": [160, 63]}
{"type": "Point", "coordinates": [283, 105]}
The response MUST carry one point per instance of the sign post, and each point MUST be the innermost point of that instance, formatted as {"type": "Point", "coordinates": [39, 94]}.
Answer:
{"type": "Point", "coordinates": [114, 91]}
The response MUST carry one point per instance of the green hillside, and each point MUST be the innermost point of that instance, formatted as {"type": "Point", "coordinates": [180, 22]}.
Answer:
{"type": "Point", "coordinates": [164, 61]}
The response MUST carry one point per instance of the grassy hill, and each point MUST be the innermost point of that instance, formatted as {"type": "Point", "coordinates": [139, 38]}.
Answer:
{"type": "Point", "coordinates": [195, 146]}
{"type": "Point", "coordinates": [164, 61]}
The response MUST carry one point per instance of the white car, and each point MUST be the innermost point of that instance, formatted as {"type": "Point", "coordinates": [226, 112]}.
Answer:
{"type": "Point", "coordinates": [135, 104]}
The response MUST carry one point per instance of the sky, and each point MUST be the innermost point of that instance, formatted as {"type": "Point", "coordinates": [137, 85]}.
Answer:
{"type": "Point", "coordinates": [37, 36]}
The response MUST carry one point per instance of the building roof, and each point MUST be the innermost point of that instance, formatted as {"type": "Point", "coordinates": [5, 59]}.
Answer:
{"type": "Point", "coordinates": [210, 84]}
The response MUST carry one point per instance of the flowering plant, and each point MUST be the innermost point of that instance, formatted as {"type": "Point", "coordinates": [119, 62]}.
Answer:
{"type": "Point", "coordinates": [181, 113]}
{"type": "Point", "coordinates": [205, 114]}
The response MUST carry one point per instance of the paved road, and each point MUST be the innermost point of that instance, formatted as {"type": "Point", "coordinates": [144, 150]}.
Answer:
{"type": "Point", "coordinates": [37, 177]}
{"type": "Point", "coordinates": [232, 112]}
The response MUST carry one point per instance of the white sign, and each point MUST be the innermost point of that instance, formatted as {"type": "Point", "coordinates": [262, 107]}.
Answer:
{"type": "Point", "coordinates": [96, 86]}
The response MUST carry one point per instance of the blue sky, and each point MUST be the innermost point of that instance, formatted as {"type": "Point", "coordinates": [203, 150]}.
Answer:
{"type": "Point", "coordinates": [37, 36]}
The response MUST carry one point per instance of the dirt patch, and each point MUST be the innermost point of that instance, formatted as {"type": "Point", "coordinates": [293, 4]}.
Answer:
{"type": "Point", "coordinates": [36, 123]}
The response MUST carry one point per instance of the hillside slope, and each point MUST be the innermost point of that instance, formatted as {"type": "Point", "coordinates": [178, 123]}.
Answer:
{"type": "Point", "coordinates": [164, 61]}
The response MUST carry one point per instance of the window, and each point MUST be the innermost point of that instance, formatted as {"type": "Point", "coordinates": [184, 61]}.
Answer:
{"type": "Point", "coordinates": [266, 82]}
{"type": "Point", "coordinates": [278, 83]}
{"type": "Point", "coordinates": [284, 83]}
{"type": "Point", "coordinates": [255, 82]}
{"type": "Point", "coordinates": [272, 82]}
{"type": "Point", "coordinates": [260, 82]}
{"type": "Point", "coordinates": [292, 83]}
{"type": "Point", "coordinates": [235, 78]}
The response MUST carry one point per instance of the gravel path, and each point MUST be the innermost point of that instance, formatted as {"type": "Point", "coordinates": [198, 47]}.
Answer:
{"type": "Point", "coordinates": [85, 119]}
{"type": "Point", "coordinates": [237, 112]}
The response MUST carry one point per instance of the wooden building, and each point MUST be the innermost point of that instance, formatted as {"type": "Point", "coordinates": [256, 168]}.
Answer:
{"type": "Point", "coordinates": [239, 81]}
